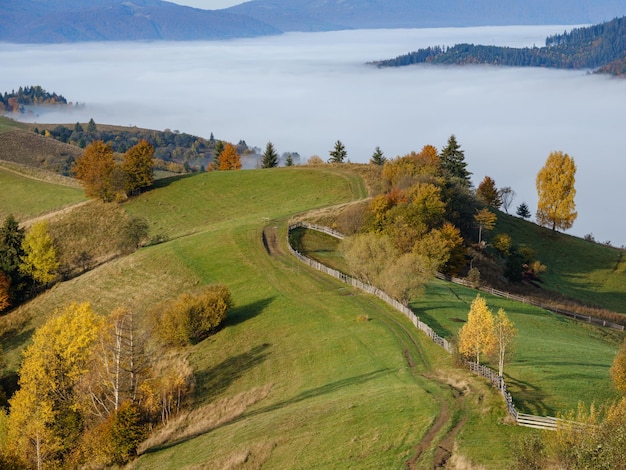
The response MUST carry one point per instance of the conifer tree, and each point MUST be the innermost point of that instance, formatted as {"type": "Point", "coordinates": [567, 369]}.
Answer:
{"type": "Point", "coordinates": [229, 158]}
{"type": "Point", "coordinates": [289, 160]}
{"type": "Point", "coordinates": [488, 193]}
{"type": "Point", "coordinates": [378, 157]}
{"type": "Point", "coordinates": [270, 157]}
{"type": "Point", "coordinates": [453, 161]}
{"type": "Point", "coordinates": [523, 211]}
{"type": "Point", "coordinates": [217, 151]}
{"type": "Point", "coordinates": [338, 154]}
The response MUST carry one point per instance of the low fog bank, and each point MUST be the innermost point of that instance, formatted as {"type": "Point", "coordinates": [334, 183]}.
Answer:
{"type": "Point", "coordinates": [304, 91]}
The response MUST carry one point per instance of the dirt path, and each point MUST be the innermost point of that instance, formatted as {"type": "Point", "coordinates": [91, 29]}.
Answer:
{"type": "Point", "coordinates": [270, 241]}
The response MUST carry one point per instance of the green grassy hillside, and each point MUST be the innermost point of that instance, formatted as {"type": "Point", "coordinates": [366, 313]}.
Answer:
{"type": "Point", "coordinates": [308, 373]}
{"type": "Point", "coordinates": [320, 388]}
{"type": "Point", "coordinates": [27, 194]}
{"type": "Point", "coordinates": [589, 272]}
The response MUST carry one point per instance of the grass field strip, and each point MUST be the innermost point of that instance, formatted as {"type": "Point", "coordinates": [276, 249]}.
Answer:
{"type": "Point", "coordinates": [522, 419]}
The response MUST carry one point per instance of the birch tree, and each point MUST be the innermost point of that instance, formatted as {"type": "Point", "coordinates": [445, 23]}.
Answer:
{"type": "Point", "coordinates": [505, 333]}
{"type": "Point", "coordinates": [477, 337]}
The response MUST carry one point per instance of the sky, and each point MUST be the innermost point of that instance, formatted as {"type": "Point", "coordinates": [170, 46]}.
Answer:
{"type": "Point", "coordinates": [208, 4]}
{"type": "Point", "coordinates": [305, 91]}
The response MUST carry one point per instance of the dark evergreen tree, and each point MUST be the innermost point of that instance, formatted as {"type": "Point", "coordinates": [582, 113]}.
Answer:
{"type": "Point", "coordinates": [523, 211]}
{"type": "Point", "coordinates": [453, 161]}
{"type": "Point", "coordinates": [338, 154]}
{"type": "Point", "coordinates": [91, 126]}
{"type": "Point", "coordinates": [219, 148]}
{"type": "Point", "coordinates": [270, 157]}
{"type": "Point", "coordinates": [378, 157]}
{"type": "Point", "coordinates": [78, 127]}
{"type": "Point", "coordinates": [289, 160]}
{"type": "Point", "coordinates": [11, 253]}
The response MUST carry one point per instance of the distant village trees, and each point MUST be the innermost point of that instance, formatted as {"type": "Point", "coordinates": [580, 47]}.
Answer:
{"type": "Point", "coordinates": [555, 189]}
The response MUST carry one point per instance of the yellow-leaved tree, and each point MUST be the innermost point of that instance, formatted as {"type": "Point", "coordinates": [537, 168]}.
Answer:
{"type": "Point", "coordinates": [477, 337]}
{"type": "Point", "coordinates": [504, 332]}
{"type": "Point", "coordinates": [44, 421]}
{"type": "Point", "coordinates": [40, 255]}
{"type": "Point", "coordinates": [555, 189]}
{"type": "Point", "coordinates": [618, 370]}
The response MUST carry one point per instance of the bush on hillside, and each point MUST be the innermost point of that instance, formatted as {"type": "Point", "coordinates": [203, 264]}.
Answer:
{"type": "Point", "coordinates": [191, 317]}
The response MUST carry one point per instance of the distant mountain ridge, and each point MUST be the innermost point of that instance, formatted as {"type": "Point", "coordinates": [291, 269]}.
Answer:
{"type": "Point", "coordinates": [53, 21]}
{"type": "Point", "coordinates": [317, 15]}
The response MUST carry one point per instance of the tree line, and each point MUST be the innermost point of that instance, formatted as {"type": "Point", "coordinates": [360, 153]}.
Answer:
{"type": "Point", "coordinates": [599, 46]}
{"type": "Point", "coordinates": [29, 95]}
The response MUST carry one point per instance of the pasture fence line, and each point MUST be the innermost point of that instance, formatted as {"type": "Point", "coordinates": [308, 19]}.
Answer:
{"type": "Point", "coordinates": [522, 419]}
{"type": "Point", "coordinates": [529, 301]}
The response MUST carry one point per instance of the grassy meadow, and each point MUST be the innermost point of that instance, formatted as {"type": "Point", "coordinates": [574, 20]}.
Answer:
{"type": "Point", "coordinates": [308, 373]}
{"type": "Point", "coordinates": [590, 272]}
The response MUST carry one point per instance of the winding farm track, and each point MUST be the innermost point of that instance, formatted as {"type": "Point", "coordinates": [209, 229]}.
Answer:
{"type": "Point", "coordinates": [446, 397]}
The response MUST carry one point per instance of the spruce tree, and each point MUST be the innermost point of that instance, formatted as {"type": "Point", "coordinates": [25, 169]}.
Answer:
{"type": "Point", "coordinates": [217, 150]}
{"type": "Point", "coordinates": [523, 211]}
{"type": "Point", "coordinates": [453, 161]}
{"type": "Point", "coordinates": [338, 154]}
{"type": "Point", "coordinates": [289, 161]}
{"type": "Point", "coordinates": [270, 157]}
{"type": "Point", "coordinates": [378, 157]}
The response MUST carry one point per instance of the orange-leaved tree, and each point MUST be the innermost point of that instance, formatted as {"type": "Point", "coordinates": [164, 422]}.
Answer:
{"type": "Point", "coordinates": [138, 167]}
{"type": "Point", "coordinates": [96, 170]}
{"type": "Point", "coordinates": [229, 158]}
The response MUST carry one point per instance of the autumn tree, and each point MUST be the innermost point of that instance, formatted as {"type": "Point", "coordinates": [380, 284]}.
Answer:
{"type": "Point", "coordinates": [555, 190]}
{"type": "Point", "coordinates": [368, 255]}
{"type": "Point", "coordinates": [270, 157]}
{"type": "Point", "coordinates": [618, 370]}
{"type": "Point", "coordinates": [488, 193]}
{"type": "Point", "coordinates": [229, 158]}
{"type": "Point", "coordinates": [378, 157]}
{"type": "Point", "coordinates": [44, 421]}
{"type": "Point", "coordinates": [314, 160]}
{"type": "Point", "coordinates": [118, 364]}
{"type": "Point", "coordinates": [453, 162]}
{"type": "Point", "coordinates": [486, 220]}
{"type": "Point", "coordinates": [338, 154]}
{"type": "Point", "coordinates": [40, 255]}
{"type": "Point", "coordinates": [504, 332]}
{"type": "Point", "coordinates": [507, 194]}
{"type": "Point", "coordinates": [96, 170]}
{"type": "Point", "coordinates": [405, 277]}
{"type": "Point", "coordinates": [138, 167]}
{"type": "Point", "coordinates": [523, 211]}
{"type": "Point", "coordinates": [476, 337]}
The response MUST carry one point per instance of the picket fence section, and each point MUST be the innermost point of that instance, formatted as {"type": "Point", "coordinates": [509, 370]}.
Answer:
{"type": "Point", "coordinates": [525, 300]}
{"type": "Point", "coordinates": [538, 422]}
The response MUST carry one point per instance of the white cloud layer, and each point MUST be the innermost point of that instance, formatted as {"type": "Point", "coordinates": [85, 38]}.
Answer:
{"type": "Point", "coordinates": [303, 91]}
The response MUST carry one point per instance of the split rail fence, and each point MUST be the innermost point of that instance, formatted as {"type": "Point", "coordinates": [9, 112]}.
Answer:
{"type": "Point", "coordinates": [522, 419]}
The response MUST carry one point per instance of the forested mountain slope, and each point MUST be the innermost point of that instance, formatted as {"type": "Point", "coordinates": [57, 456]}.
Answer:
{"type": "Point", "coordinates": [602, 45]}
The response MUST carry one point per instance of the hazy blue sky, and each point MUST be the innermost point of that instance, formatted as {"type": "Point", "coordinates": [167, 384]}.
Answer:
{"type": "Point", "coordinates": [304, 91]}
{"type": "Point", "coordinates": [208, 4]}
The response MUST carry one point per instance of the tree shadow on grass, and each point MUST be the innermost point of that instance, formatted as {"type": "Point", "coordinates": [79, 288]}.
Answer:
{"type": "Point", "coordinates": [212, 382]}
{"type": "Point", "coordinates": [242, 313]}
{"type": "Point", "coordinates": [528, 398]}
{"type": "Point", "coordinates": [319, 391]}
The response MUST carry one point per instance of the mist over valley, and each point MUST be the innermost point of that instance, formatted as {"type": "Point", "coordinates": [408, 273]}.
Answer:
{"type": "Point", "coordinates": [304, 91]}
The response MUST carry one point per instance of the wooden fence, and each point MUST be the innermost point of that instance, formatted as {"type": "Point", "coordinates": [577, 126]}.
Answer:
{"type": "Point", "coordinates": [522, 419]}
{"type": "Point", "coordinates": [526, 300]}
